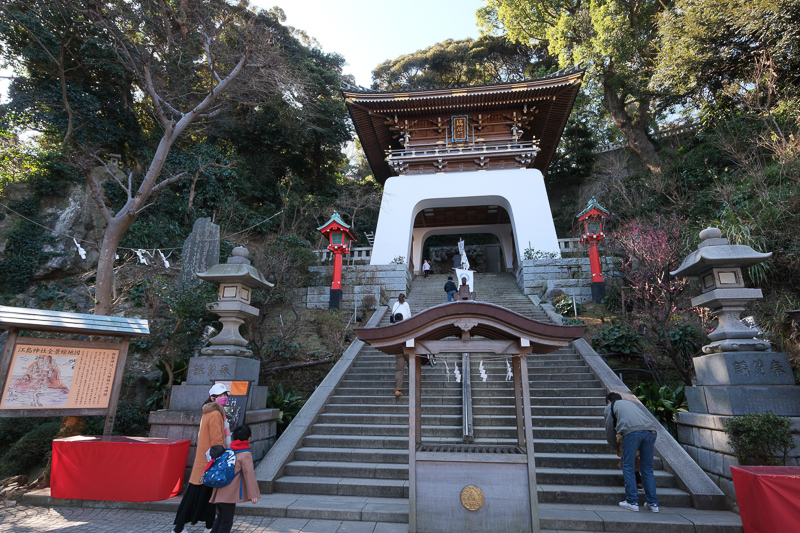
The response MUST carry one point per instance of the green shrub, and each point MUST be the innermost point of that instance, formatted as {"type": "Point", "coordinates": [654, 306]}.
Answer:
{"type": "Point", "coordinates": [662, 401]}
{"type": "Point", "coordinates": [618, 338]}
{"type": "Point", "coordinates": [13, 429]}
{"type": "Point", "coordinates": [572, 321]}
{"type": "Point", "coordinates": [564, 306]}
{"type": "Point", "coordinates": [30, 450]}
{"type": "Point", "coordinates": [288, 402]}
{"type": "Point", "coordinates": [757, 438]}
{"type": "Point", "coordinates": [131, 420]}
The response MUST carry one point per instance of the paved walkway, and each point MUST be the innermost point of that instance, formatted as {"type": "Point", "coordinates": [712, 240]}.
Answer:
{"type": "Point", "coordinates": [26, 519]}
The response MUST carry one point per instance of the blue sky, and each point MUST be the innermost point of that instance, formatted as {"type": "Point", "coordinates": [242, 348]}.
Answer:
{"type": "Point", "coordinates": [368, 32]}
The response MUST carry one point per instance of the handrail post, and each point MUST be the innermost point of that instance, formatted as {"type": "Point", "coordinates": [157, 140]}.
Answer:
{"type": "Point", "coordinates": [466, 400]}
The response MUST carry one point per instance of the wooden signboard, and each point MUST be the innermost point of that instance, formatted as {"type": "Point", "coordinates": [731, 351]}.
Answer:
{"type": "Point", "coordinates": [460, 132]}
{"type": "Point", "coordinates": [55, 377]}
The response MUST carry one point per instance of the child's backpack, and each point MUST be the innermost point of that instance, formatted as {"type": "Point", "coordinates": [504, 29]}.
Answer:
{"type": "Point", "coordinates": [222, 470]}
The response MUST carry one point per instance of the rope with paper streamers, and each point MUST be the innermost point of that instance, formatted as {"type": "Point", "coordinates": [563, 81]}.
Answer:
{"type": "Point", "coordinates": [141, 253]}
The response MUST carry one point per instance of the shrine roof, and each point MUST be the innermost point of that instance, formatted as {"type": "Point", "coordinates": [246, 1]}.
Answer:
{"type": "Point", "coordinates": [335, 219]}
{"type": "Point", "coordinates": [482, 319]}
{"type": "Point", "coordinates": [552, 96]}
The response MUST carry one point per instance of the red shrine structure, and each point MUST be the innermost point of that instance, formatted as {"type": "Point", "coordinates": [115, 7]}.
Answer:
{"type": "Point", "coordinates": [593, 220]}
{"type": "Point", "coordinates": [339, 239]}
{"type": "Point", "coordinates": [464, 160]}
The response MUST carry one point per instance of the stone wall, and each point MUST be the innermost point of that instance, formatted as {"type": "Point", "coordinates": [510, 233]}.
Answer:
{"type": "Point", "coordinates": [392, 279]}
{"type": "Point", "coordinates": [571, 275]}
{"type": "Point", "coordinates": [704, 439]}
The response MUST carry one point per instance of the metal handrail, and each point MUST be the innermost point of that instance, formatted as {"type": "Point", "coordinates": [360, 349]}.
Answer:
{"type": "Point", "coordinates": [466, 401]}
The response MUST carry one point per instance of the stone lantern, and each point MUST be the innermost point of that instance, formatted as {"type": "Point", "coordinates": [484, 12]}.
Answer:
{"type": "Point", "coordinates": [719, 267]}
{"type": "Point", "coordinates": [593, 221]}
{"type": "Point", "coordinates": [739, 373]}
{"type": "Point", "coordinates": [237, 278]}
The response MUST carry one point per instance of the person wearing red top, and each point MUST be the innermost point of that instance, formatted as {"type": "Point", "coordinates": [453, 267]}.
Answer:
{"type": "Point", "coordinates": [244, 486]}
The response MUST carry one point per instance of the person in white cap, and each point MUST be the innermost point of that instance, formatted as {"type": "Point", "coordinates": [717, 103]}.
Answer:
{"type": "Point", "coordinates": [214, 430]}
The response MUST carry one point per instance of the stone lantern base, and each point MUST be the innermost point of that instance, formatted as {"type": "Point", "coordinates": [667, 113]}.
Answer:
{"type": "Point", "coordinates": [182, 419]}
{"type": "Point", "coordinates": [731, 384]}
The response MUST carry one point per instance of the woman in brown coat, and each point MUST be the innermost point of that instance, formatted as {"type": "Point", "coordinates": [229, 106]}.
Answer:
{"type": "Point", "coordinates": [214, 430]}
{"type": "Point", "coordinates": [244, 486]}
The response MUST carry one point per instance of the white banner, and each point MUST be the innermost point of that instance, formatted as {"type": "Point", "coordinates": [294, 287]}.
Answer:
{"type": "Point", "coordinates": [461, 273]}
{"type": "Point", "coordinates": [464, 260]}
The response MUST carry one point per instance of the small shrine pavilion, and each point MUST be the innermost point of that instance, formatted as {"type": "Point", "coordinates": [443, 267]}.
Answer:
{"type": "Point", "coordinates": [464, 160]}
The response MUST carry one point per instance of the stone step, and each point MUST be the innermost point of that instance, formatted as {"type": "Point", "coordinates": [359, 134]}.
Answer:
{"type": "Point", "coordinates": [355, 444]}
{"type": "Point", "coordinates": [396, 408]}
{"type": "Point", "coordinates": [343, 486]}
{"type": "Point", "coordinates": [541, 421]}
{"type": "Point", "coordinates": [397, 471]}
{"type": "Point", "coordinates": [604, 495]}
{"type": "Point", "coordinates": [375, 470]}
{"type": "Point", "coordinates": [509, 410]}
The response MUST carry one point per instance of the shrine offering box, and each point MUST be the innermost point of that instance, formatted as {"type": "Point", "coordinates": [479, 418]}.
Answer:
{"type": "Point", "coordinates": [125, 469]}
{"type": "Point", "coordinates": [768, 497]}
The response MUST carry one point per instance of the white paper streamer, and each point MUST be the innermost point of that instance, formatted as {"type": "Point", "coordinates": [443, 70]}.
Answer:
{"type": "Point", "coordinates": [483, 371]}
{"type": "Point", "coordinates": [166, 263]}
{"type": "Point", "coordinates": [457, 373]}
{"type": "Point", "coordinates": [141, 255]}
{"type": "Point", "coordinates": [509, 373]}
{"type": "Point", "coordinates": [81, 251]}
{"type": "Point", "coordinates": [446, 369]}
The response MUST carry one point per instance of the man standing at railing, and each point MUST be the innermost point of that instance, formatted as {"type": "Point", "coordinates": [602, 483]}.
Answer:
{"type": "Point", "coordinates": [400, 311]}
{"type": "Point", "coordinates": [426, 268]}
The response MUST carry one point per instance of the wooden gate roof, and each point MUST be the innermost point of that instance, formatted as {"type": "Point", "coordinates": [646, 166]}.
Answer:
{"type": "Point", "coordinates": [552, 96]}
{"type": "Point", "coordinates": [479, 319]}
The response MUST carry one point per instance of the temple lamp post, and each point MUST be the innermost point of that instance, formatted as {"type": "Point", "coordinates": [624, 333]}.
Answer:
{"type": "Point", "coordinates": [593, 220]}
{"type": "Point", "coordinates": [339, 237]}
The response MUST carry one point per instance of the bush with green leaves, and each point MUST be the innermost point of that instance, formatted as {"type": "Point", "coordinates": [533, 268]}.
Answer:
{"type": "Point", "coordinates": [663, 401]}
{"type": "Point", "coordinates": [617, 338]}
{"type": "Point", "coordinates": [572, 321]}
{"type": "Point", "coordinates": [564, 305]}
{"type": "Point", "coordinates": [130, 420]}
{"type": "Point", "coordinates": [288, 403]}
{"type": "Point", "coordinates": [30, 450]}
{"type": "Point", "coordinates": [760, 438]}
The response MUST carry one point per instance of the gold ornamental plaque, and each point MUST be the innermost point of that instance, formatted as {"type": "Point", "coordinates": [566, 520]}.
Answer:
{"type": "Point", "coordinates": [472, 498]}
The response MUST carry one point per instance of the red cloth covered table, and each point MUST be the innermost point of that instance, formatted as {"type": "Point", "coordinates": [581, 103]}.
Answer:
{"type": "Point", "coordinates": [768, 498]}
{"type": "Point", "coordinates": [123, 469]}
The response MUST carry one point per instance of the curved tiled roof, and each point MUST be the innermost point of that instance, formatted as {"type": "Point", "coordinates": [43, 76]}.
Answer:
{"type": "Point", "coordinates": [553, 97]}
{"type": "Point", "coordinates": [490, 322]}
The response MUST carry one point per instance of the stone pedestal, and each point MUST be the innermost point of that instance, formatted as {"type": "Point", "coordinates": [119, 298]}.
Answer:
{"type": "Point", "coordinates": [182, 419]}
{"type": "Point", "coordinates": [737, 383]}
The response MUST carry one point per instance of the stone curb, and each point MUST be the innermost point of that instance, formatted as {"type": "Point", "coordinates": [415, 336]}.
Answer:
{"type": "Point", "coordinates": [271, 467]}
{"type": "Point", "coordinates": [691, 478]}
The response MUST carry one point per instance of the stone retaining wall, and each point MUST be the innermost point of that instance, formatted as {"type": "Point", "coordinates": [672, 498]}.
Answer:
{"type": "Point", "coordinates": [704, 439]}
{"type": "Point", "coordinates": [571, 275]}
{"type": "Point", "coordinates": [392, 279]}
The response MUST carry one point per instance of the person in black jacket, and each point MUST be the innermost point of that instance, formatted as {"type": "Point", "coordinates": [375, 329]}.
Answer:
{"type": "Point", "coordinates": [450, 288]}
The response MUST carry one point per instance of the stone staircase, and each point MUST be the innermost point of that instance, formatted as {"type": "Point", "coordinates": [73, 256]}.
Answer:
{"type": "Point", "coordinates": [353, 463]}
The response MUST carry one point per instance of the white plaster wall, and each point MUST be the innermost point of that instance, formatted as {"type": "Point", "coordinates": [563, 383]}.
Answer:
{"type": "Point", "coordinates": [520, 191]}
{"type": "Point", "coordinates": [502, 231]}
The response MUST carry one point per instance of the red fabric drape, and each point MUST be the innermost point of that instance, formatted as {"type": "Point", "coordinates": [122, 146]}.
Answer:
{"type": "Point", "coordinates": [125, 469]}
{"type": "Point", "coordinates": [768, 498]}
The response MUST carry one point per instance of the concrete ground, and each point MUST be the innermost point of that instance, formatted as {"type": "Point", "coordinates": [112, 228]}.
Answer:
{"type": "Point", "coordinates": [28, 519]}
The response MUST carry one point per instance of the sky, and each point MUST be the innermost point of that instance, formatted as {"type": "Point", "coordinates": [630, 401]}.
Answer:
{"type": "Point", "coordinates": [368, 32]}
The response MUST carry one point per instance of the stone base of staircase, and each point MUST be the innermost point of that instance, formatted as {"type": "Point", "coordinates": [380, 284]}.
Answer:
{"type": "Point", "coordinates": [553, 516]}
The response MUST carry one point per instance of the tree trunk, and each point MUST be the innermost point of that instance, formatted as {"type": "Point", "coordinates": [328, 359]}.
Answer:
{"type": "Point", "coordinates": [104, 287]}
{"type": "Point", "coordinates": [635, 130]}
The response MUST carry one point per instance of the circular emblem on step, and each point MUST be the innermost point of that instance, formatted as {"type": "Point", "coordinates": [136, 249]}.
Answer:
{"type": "Point", "coordinates": [472, 498]}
